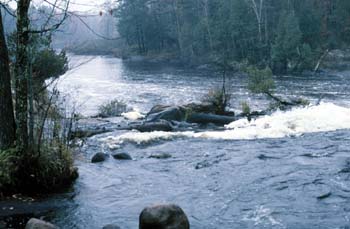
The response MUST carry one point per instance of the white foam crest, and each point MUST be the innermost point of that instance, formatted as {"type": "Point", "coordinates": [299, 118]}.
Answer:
{"type": "Point", "coordinates": [312, 119]}
{"type": "Point", "coordinates": [262, 215]}
{"type": "Point", "coordinates": [133, 115]}
{"type": "Point", "coordinates": [143, 138]}
{"type": "Point", "coordinates": [321, 118]}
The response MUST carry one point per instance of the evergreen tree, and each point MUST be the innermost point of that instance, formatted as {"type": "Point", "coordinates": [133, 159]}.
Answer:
{"type": "Point", "coordinates": [286, 49]}
{"type": "Point", "coordinates": [287, 35]}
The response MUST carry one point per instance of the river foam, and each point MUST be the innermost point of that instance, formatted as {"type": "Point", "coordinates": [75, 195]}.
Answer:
{"type": "Point", "coordinates": [133, 115]}
{"type": "Point", "coordinates": [321, 118]}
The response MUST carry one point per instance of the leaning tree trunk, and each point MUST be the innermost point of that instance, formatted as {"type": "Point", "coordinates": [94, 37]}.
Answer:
{"type": "Point", "coordinates": [21, 71]}
{"type": "Point", "coordinates": [7, 120]}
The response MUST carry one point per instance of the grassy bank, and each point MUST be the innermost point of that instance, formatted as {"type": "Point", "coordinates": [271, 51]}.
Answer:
{"type": "Point", "coordinates": [50, 170]}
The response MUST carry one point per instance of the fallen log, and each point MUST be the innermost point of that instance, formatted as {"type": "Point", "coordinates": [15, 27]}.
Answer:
{"type": "Point", "coordinates": [152, 126]}
{"type": "Point", "coordinates": [204, 118]}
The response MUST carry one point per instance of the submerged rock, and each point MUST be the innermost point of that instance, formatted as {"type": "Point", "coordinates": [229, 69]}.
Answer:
{"type": "Point", "coordinates": [324, 196]}
{"type": "Point", "coordinates": [39, 224]}
{"type": "Point", "coordinates": [161, 156]}
{"type": "Point", "coordinates": [122, 156]}
{"type": "Point", "coordinates": [99, 157]}
{"type": "Point", "coordinates": [168, 216]}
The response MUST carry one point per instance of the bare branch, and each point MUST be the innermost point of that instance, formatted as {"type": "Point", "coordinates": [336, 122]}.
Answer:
{"type": "Point", "coordinates": [7, 9]}
{"type": "Point", "coordinates": [55, 26]}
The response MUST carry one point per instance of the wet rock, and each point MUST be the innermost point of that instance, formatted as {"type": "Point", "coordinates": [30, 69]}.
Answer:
{"type": "Point", "coordinates": [346, 169]}
{"type": "Point", "coordinates": [161, 156]}
{"type": "Point", "coordinates": [209, 163]}
{"type": "Point", "coordinates": [111, 226]}
{"type": "Point", "coordinates": [39, 224]}
{"type": "Point", "coordinates": [153, 126]}
{"type": "Point", "coordinates": [99, 157]}
{"type": "Point", "coordinates": [192, 113]}
{"type": "Point", "coordinates": [168, 113]}
{"type": "Point", "coordinates": [163, 217]}
{"type": "Point", "coordinates": [202, 165]}
{"type": "Point", "coordinates": [122, 156]}
{"type": "Point", "coordinates": [324, 196]}
{"type": "Point", "coordinates": [264, 157]}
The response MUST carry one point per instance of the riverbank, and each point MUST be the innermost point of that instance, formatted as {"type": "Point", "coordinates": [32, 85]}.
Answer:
{"type": "Point", "coordinates": [332, 61]}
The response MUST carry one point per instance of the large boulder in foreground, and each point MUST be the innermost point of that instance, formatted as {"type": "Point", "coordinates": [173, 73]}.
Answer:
{"type": "Point", "coordinates": [167, 216]}
{"type": "Point", "coordinates": [39, 224]}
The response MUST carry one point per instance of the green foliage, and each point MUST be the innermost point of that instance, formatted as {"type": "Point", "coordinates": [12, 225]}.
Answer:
{"type": "Point", "coordinates": [112, 109]}
{"type": "Point", "coordinates": [217, 99]}
{"type": "Point", "coordinates": [48, 171]}
{"type": "Point", "coordinates": [49, 64]}
{"type": "Point", "coordinates": [260, 80]}
{"type": "Point", "coordinates": [45, 61]}
{"type": "Point", "coordinates": [307, 58]}
{"type": "Point", "coordinates": [8, 169]}
{"type": "Point", "coordinates": [245, 108]}
{"type": "Point", "coordinates": [285, 50]}
{"type": "Point", "coordinates": [53, 168]}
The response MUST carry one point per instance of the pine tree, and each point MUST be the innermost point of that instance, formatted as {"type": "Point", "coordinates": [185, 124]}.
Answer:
{"type": "Point", "coordinates": [285, 51]}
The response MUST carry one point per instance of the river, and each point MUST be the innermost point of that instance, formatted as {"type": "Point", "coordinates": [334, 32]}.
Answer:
{"type": "Point", "coordinates": [287, 170]}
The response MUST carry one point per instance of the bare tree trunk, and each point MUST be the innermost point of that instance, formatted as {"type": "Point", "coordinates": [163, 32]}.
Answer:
{"type": "Point", "coordinates": [266, 27]}
{"type": "Point", "coordinates": [258, 14]}
{"type": "Point", "coordinates": [178, 25]}
{"type": "Point", "coordinates": [319, 62]}
{"type": "Point", "coordinates": [21, 71]}
{"type": "Point", "coordinates": [31, 100]}
{"type": "Point", "coordinates": [7, 119]}
{"type": "Point", "coordinates": [207, 25]}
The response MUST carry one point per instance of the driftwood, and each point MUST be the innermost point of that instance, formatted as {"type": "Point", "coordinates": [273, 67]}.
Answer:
{"type": "Point", "coordinates": [290, 103]}
{"type": "Point", "coordinates": [320, 61]}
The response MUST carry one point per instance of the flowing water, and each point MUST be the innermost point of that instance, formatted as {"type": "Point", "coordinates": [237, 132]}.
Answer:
{"type": "Point", "coordinates": [287, 170]}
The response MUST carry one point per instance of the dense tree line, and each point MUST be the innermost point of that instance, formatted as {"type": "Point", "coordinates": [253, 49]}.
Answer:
{"type": "Point", "coordinates": [286, 35]}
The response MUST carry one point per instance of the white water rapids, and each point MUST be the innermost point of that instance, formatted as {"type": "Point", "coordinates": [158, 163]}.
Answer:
{"type": "Point", "coordinates": [321, 118]}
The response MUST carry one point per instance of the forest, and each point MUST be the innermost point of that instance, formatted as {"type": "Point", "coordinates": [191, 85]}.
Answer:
{"type": "Point", "coordinates": [286, 35]}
